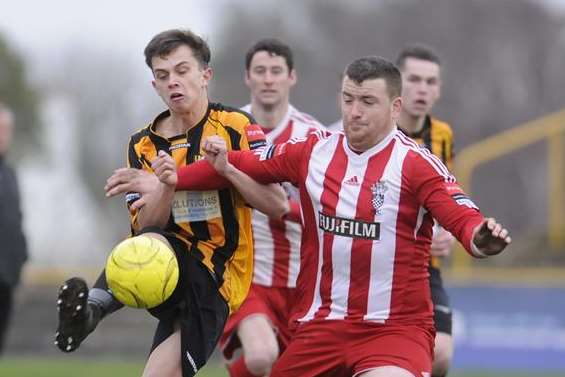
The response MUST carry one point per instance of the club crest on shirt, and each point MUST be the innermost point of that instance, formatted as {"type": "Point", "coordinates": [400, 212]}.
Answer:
{"type": "Point", "coordinates": [378, 189]}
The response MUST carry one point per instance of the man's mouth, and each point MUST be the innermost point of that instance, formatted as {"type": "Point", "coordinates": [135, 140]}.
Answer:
{"type": "Point", "coordinates": [176, 97]}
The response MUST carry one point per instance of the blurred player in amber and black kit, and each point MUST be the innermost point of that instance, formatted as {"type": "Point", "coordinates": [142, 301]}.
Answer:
{"type": "Point", "coordinates": [421, 87]}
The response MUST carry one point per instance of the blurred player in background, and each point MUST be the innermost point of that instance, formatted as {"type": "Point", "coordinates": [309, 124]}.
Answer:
{"type": "Point", "coordinates": [260, 327]}
{"type": "Point", "coordinates": [421, 83]}
{"type": "Point", "coordinates": [210, 232]}
{"type": "Point", "coordinates": [369, 197]}
{"type": "Point", "coordinates": [13, 252]}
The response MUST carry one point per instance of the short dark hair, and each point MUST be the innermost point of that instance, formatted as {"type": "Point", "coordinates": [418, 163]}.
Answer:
{"type": "Point", "coordinates": [375, 67]}
{"type": "Point", "coordinates": [417, 51]}
{"type": "Point", "coordinates": [165, 42]}
{"type": "Point", "coordinates": [274, 47]}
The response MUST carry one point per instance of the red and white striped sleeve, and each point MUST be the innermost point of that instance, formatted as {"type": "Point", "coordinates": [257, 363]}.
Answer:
{"type": "Point", "coordinates": [270, 164]}
{"type": "Point", "coordinates": [438, 191]}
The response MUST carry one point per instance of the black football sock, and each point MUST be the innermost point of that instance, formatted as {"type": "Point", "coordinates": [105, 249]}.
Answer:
{"type": "Point", "coordinates": [101, 300]}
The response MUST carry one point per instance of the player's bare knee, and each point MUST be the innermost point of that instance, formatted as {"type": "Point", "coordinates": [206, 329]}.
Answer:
{"type": "Point", "coordinates": [259, 342]}
{"type": "Point", "coordinates": [260, 363]}
{"type": "Point", "coordinates": [260, 354]}
{"type": "Point", "coordinates": [441, 364]}
{"type": "Point", "coordinates": [443, 353]}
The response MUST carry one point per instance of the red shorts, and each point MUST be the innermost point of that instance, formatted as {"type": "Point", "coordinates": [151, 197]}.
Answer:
{"type": "Point", "coordinates": [273, 302]}
{"type": "Point", "coordinates": [334, 348]}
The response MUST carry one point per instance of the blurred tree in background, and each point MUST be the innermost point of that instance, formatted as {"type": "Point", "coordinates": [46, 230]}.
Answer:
{"type": "Point", "coordinates": [21, 96]}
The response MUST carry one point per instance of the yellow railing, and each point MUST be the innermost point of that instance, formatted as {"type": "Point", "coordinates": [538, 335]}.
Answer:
{"type": "Point", "coordinates": [550, 128]}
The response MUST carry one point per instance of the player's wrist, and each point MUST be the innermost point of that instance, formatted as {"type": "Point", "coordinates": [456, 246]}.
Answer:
{"type": "Point", "coordinates": [230, 172]}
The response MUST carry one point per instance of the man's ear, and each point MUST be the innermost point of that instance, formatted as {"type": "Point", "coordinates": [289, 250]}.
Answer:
{"type": "Point", "coordinates": [396, 107]}
{"type": "Point", "coordinates": [246, 78]}
{"type": "Point", "coordinates": [207, 74]}
{"type": "Point", "coordinates": [293, 77]}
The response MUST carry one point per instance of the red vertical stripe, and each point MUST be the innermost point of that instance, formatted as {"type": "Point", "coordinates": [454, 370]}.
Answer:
{"type": "Point", "coordinates": [281, 245]}
{"type": "Point", "coordinates": [335, 173]}
{"type": "Point", "coordinates": [361, 249]}
{"type": "Point", "coordinates": [309, 249]}
{"type": "Point", "coordinates": [411, 287]}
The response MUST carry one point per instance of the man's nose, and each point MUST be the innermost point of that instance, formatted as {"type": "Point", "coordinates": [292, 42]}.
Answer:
{"type": "Point", "coordinates": [269, 77]}
{"type": "Point", "coordinates": [422, 87]}
{"type": "Point", "coordinates": [173, 81]}
{"type": "Point", "coordinates": [356, 110]}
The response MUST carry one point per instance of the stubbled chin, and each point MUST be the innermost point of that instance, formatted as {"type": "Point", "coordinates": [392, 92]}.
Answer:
{"type": "Point", "coordinates": [354, 137]}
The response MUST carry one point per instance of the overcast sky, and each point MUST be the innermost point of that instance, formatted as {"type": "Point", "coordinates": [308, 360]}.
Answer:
{"type": "Point", "coordinates": [39, 29]}
{"type": "Point", "coordinates": [121, 23]}
{"type": "Point", "coordinates": [43, 28]}
{"type": "Point", "coordinates": [129, 24]}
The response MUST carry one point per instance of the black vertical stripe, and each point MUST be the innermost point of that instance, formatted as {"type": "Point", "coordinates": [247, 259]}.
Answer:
{"type": "Point", "coordinates": [194, 138]}
{"type": "Point", "coordinates": [235, 139]}
{"type": "Point", "coordinates": [444, 151]}
{"type": "Point", "coordinates": [427, 133]}
{"type": "Point", "coordinates": [231, 229]}
{"type": "Point", "coordinates": [162, 144]}
{"type": "Point", "coordinates": [133, 159]}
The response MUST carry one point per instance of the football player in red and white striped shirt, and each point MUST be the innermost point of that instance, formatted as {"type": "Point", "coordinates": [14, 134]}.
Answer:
{"type": "Point", "coordinates": [368, 200]}
{"type": "Point", "coordinates": [260, 326]}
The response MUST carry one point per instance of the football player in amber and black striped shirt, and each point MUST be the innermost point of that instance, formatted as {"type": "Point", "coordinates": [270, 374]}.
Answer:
{"type": "Point", "coordinates": [210, 231]}
{"type": "Point", "coordinates": [421, 83]}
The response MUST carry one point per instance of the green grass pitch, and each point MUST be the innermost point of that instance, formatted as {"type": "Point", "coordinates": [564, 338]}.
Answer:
{"type": "Point", "coordinates": [70, 367]}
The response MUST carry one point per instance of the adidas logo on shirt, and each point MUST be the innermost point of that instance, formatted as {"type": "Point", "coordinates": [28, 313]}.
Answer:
{"type": "Point", "coordinates": [353, 181]}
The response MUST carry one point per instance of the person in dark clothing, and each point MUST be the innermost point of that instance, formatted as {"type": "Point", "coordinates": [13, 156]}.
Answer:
{"type": "Point", "coordinates": [13, 249]}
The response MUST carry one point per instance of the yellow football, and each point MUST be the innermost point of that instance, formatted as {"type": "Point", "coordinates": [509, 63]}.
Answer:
{"type": "Point", "coordinates": [142, 272]}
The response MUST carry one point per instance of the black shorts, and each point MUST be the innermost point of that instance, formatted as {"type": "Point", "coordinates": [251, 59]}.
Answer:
{"type": "Point", "coordinates": [442, 309]}
{"type": "Point", "coordinates": [197, 306]}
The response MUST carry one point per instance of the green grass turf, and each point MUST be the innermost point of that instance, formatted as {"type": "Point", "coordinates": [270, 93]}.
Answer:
{"type": "Point", "coordinates": [72, 367]}
{"type": "Point", "coordinates": [43, 367]}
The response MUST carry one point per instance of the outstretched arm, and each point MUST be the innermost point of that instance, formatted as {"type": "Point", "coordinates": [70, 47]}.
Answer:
{"type": "Point", "coordinates": [280, 163]}
{"type": "Point", "coordinates": [218, 164]}
{"type": "Point", "coordinates": [270, 198]}
{"type": "Point", "coordinates": [437, 190]}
